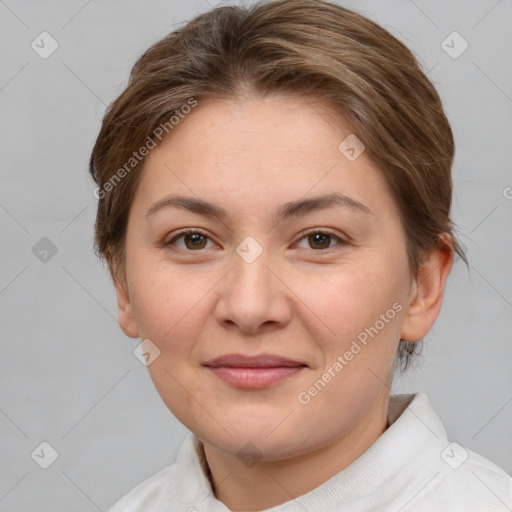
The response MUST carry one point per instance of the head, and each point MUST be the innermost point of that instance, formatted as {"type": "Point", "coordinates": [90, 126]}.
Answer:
{"type": "Point", "coordinates": [259, 112]}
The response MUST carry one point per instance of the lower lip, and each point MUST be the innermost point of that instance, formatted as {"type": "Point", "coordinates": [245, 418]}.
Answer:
{"type": "Point", "coordinates": [255, 377]}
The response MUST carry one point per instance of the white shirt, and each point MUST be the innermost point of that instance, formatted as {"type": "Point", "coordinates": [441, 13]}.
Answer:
{"type": "Point", "coordinates": [411, 467]}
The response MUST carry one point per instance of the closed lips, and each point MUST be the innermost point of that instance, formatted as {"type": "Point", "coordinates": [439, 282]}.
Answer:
{"type": "Point", "coordinates": [261, 361]}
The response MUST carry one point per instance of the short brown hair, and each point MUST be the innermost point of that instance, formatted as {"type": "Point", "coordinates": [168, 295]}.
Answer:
{"type": "Point", "coordinates": [311, 47]}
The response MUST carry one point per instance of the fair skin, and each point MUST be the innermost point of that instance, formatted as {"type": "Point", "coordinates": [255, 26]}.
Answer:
{"type": "Point", "coordinates": [304, 297]}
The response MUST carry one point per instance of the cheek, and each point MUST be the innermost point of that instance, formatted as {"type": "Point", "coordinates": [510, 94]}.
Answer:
{"type": "Point", "coordinates": [170, 306]}
{"type": "Point", "coordinates": [355, 326]}
{"type": "Point", "coordinates": [168, 301]}
{"type": "Point", "coordinates": [350, 300]}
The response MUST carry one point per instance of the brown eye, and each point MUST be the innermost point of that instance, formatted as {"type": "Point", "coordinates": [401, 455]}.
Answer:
{"type": "Point", "coordinates": [193, 241]}
{"type": "Point", "coordinates": [321, 240]}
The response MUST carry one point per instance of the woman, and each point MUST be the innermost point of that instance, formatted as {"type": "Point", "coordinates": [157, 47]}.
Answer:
{"type": "Point", "coordinates": [274, 192]}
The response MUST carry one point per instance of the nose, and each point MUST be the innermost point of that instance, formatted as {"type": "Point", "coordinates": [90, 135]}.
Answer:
{"type": "Point", "coordinates": [253, 297]}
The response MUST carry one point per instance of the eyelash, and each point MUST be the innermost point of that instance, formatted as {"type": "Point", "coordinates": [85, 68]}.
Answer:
{"type": "Point", "coordinates": [302, 235]}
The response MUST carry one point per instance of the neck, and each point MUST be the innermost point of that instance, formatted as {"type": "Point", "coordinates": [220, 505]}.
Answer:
{"type": "Point", "coordinates": [267, 484]}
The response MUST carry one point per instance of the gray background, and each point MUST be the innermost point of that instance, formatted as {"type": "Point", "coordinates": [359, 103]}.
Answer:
{"type": "Point", "coordinates": [68, 373]}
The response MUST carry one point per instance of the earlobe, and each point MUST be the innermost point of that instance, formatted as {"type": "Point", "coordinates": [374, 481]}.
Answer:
{"type": "Point", "coordinates": [426, 293]}
{"type": "Point", "coordinates": [125, 312]}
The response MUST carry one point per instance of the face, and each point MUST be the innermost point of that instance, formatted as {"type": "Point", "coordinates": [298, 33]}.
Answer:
{"type": "Point", "coordinates": [311, 282]}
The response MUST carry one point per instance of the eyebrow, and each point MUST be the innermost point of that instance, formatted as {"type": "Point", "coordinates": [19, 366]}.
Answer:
{"type": "Point", "coordinates": [287, 210]}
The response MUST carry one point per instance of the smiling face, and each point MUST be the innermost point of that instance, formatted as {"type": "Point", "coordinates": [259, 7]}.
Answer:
{"type": "Point", "coordinates": [306, 284]}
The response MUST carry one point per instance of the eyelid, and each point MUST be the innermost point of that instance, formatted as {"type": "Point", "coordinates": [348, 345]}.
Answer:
{"type": "Point", "coordinates": [327, 231]}
{"type": "Point", "coordinates": [186, 231]}
{"type": "Point", "coordinates": [341, 240]}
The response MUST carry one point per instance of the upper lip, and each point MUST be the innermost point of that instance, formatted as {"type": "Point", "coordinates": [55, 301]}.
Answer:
{"type": "Point", "coordinates": [259, 361]}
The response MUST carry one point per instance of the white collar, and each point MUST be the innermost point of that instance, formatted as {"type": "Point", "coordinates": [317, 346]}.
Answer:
{"type": "Point", "coordinates": [414, 431]}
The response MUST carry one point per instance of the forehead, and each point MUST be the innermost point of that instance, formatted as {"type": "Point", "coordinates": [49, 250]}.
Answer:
{"type": "Point", "coordinates": [258, 152]}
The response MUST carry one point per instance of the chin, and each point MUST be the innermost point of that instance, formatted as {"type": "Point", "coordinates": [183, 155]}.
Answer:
{"type": "Point", "coordinates": [258, 441]}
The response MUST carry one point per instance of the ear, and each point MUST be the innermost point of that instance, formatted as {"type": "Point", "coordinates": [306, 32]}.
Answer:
{"type": "Point", "coordinates": [124, 307]}
{"type": "Point", "coordinates": [426, 294]}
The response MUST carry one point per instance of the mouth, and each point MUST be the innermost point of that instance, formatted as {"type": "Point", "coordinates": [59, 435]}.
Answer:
{"type": "Point", "coordinates": [253, 372]}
